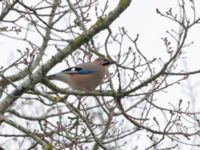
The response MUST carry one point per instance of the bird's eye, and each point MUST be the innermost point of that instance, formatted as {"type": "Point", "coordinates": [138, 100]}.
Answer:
{"type": "Point", "coordinates": [105, 60]}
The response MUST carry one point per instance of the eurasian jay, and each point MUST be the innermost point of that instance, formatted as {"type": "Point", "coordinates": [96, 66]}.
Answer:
{"type": "Point", "coordinates": [85, 76]}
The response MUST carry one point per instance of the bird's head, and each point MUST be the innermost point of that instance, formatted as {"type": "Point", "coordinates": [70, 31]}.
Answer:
{"type": "Point", "coordinates": [103, 62]}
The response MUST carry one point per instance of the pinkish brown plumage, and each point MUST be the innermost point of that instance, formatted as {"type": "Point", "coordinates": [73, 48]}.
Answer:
{"type": "Point", "coordinates": [86, 76]}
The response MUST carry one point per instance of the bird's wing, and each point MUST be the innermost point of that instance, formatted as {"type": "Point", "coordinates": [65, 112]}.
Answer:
{"type": "Point", "coordinates": [78, 70]}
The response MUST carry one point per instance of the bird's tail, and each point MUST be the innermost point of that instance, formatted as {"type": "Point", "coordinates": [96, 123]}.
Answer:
{"type": "Point", "coordinates": [51, 77]}
{"type": "Point", "coordinates": [59, 76]}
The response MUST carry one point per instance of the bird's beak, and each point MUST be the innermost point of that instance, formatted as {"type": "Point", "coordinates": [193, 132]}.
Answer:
{"type": "Point", "coordinates": [108, 63]}
{"type": "Point", "coordinates": [111, 62]}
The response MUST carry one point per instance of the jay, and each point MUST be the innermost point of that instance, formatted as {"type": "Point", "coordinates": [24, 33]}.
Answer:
{"type": "Point", "coordinates": [85, 76]}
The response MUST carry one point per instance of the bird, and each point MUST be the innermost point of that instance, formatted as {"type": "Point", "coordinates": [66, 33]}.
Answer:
{"type": "Point", "coordinates": [86, 76]}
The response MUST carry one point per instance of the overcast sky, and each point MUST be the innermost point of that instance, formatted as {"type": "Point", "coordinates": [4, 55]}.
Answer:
{"type": "Point", "coordinates": [141, 18]}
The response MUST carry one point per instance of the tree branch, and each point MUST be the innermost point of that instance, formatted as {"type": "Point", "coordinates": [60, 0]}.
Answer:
{"type": "Point", "coordinates": [101, 24]}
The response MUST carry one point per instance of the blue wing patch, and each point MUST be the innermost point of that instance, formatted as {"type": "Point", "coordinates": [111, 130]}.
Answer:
{"type": "Point", "coordinates": [86, 71]}
{"type": "Point", "coordinates": [77, 70]}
